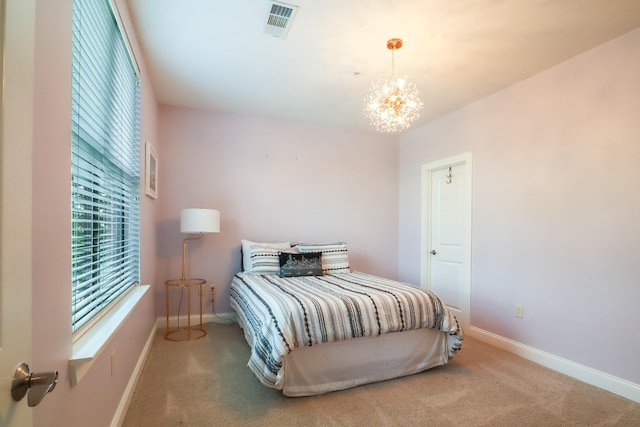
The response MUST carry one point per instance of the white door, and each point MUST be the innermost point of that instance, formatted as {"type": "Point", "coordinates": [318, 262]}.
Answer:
{"type": "Point", "coordinates": [447, 233]}
{"type": "Point", "coordinates": [16, 140]}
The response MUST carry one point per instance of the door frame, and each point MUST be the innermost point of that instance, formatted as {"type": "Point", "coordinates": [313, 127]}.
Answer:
{"type": "Point", "coordinates": [426, 224]}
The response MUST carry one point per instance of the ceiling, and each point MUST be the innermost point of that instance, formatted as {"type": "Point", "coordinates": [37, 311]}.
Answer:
{"type": "Point", "coordinates": [213, 54]}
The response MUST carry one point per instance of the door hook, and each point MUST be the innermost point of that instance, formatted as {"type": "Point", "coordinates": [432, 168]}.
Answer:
{"type": "Point", "coordinates": [449, 176]}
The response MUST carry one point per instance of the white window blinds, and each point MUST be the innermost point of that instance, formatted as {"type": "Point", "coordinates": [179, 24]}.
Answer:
{"type": "Point", "coordinates": [105, 188]}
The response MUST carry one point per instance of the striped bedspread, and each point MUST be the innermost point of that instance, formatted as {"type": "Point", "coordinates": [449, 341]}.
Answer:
{"type": "Point", "coordinates": [280, 314]}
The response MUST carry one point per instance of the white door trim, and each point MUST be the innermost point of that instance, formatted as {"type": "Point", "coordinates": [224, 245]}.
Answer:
{"type": "Point", "coordinates": [425, 258]}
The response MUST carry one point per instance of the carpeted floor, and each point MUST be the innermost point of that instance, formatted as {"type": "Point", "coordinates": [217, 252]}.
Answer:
{"type": "Point", "coordinates": [207, 383]}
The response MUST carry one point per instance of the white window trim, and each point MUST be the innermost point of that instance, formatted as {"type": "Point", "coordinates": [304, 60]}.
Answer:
{"type": "Point", "coordinates": [88, 348]}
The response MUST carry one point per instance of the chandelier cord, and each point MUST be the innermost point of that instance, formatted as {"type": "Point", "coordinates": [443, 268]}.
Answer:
{"type": "Point", "coordinates": [393, 63]}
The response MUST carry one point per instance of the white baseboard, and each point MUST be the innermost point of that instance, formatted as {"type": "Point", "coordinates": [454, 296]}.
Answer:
{"type": "Point", "coordinates": [223, 318]}
{"type": "Point", "coordinates": [575, 370]}
{"type": "Point", "coordinates": [125, 400]}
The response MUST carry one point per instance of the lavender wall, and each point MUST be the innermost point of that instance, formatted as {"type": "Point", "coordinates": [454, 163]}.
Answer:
{"type": "Point", "coordinates": [555, 206]}
{"type": "Point", "coordinates": [95, 399]}
{"type": "Point", "coordinates": [272, 181]}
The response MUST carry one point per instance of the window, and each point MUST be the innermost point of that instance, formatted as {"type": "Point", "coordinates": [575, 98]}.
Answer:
{"type": "Point", "coordinates": [105, 151]}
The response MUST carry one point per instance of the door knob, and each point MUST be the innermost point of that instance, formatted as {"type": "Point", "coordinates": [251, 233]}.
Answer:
{"type": "Point", "coordinates": [433, 252]}
{"type": "Point", "coordinates": [38, 384]}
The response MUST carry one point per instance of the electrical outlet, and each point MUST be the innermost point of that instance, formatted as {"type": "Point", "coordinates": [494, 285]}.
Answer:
{"type": "Point", "coordinates": [212, 292]}
{"type": "Point", "coordinates": [519, 311]}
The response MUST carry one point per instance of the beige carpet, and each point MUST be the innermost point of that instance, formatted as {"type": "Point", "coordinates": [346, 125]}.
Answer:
{"type": "Point", "coordinates": [207, 383]}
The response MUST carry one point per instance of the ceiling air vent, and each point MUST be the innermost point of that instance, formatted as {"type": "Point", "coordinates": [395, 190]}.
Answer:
{"type": "Point", "coordinates": [278, 18]}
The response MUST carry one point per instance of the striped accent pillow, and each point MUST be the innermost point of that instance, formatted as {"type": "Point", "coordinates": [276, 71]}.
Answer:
{"type": "Point", "coordinates": [264, 260]}
{"type": "Point", "coordinates": [335, 258]}
{"type": "Point", "coordinates": [246, 251]}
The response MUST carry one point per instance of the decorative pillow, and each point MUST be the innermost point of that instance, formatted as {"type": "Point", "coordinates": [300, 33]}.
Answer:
{"type": "Point", "coordinates": [246, 251]}
{"type": "Point", "coordinates": [335, 258]}
{"type": "Point", "coordinates": [307, 264]}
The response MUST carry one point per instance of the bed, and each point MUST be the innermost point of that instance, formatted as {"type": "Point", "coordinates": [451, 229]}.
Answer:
{"type": "Point", "coordinates": [313, 332]}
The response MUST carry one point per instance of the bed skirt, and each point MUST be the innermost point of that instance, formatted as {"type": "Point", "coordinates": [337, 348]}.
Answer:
{"type": "Point", "coordinates": [345, 364]}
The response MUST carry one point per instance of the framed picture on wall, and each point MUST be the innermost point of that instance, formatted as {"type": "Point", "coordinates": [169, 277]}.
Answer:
{"type": "Point", "coordinates": [151, 173]}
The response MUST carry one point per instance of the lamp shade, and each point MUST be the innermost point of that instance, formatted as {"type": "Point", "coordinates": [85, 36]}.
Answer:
{"type": "Point", "coordinates": [199, 221]}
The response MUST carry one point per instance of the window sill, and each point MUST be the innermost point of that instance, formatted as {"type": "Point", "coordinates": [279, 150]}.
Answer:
{"type": "Point", "coordinates": [87, 349]}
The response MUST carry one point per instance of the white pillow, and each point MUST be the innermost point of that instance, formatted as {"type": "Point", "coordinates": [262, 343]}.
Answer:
{"type": "Point", "coordinates": [246, 251]}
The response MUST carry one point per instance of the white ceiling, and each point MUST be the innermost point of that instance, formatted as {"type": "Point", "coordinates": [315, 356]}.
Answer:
{"type": "Point", "coordinates": [212, 54]}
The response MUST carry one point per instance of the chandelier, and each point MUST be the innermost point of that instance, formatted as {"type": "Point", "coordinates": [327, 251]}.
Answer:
{"type": "Point", "coordinates": [392, 103]}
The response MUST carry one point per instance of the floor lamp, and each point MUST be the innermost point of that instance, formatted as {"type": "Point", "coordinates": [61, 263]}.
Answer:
{"type": "Point", "coordinates": [192, 221]}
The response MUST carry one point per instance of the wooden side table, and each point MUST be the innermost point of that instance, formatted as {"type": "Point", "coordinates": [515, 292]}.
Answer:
{"type": "Point", "coordinates": [190, 332]}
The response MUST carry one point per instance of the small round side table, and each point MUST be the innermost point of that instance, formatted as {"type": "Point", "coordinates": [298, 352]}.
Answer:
{"type": "Point", "coordinates": [190, 332]}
